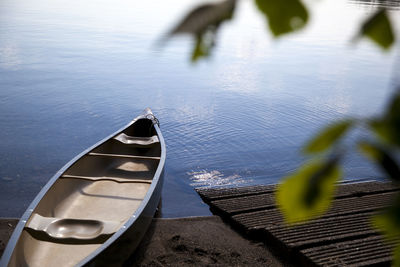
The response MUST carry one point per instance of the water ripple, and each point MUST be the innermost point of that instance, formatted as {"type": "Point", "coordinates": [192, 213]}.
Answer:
{"type": "Point", "coordinates": [214, 178]}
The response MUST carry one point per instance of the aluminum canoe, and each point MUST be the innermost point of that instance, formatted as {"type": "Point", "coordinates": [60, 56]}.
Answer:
{"type": "Point", "coordinates": [97, 208]}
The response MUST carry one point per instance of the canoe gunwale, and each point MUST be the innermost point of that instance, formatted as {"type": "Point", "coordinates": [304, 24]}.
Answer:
{"type": "Point", "coordinates": [5, 259]}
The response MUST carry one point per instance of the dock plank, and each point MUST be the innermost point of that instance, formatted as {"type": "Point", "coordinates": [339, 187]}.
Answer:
{"type": "Point", "coordinates": [358, 252]}
{"type": "Point", "coordinates": [344, 190]}
{"type": "Point", "coordinates": [209, 194]}
{"type": "Point", "coordinates": [324, 230]}
{"type": "Point", "coordinates": [265, 218]}
{"type": "Point", "coordinates": [343, 235]}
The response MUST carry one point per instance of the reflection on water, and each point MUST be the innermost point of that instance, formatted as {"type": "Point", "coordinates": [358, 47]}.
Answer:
{"type": "Point", "coordinates": [74, 72]}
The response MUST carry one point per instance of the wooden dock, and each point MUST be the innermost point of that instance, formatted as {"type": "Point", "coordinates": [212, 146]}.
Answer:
{"type": "Point", "coordinates": [343, 236]}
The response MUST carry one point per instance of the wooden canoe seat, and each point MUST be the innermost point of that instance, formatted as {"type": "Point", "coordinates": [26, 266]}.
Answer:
{"type": "Point", "coordinates": [135, 140]}
{"type": "Point", "coordinates": [81, 230]}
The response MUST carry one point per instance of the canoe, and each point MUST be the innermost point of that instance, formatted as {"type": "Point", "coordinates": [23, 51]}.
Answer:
{"type": "Point", "coordinates": [97, 208]}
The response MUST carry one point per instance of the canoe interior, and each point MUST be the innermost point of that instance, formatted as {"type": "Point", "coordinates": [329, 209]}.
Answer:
{"type": "Point", "coordinates": [89, 202]}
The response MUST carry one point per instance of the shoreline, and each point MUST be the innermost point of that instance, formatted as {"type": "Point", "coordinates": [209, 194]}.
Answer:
{"type": "Point", "coordinates": [188, 241]}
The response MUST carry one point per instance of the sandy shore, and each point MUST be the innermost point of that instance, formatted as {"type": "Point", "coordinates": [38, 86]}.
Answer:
{"type": "Point", "coordinates": [197, 241]}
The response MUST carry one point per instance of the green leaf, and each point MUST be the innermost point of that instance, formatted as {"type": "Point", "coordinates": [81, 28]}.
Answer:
{"type": "Point", "coordinates": [202, 23]}
{"type": "Point", "coordinates": [396, 255]}
{"type": "Point", "coordinates": [308, 192]}
{"type": "Point", "coordinates": [327, 137]}
{"type": "Point", "coordinates": [202, 48]}
{"type": "Point", "coordinates": [388, 222]}
{"type": "Point", "coordinates": [379, 29]}
{"type": "Point", "coordinates": [198, 20]}
{"type": "Point", "coordinates": [284, 16]}
{"type": "Point", "coordinates": [383, 158]}
{"type": "Point", "coordinates": [387, 128]}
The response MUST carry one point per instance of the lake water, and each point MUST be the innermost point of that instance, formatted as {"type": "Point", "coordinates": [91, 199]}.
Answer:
{"type": "Point", "coordinates": [72, 72]}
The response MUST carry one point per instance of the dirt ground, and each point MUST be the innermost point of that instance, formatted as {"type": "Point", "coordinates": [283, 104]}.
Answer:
{"type": "Point", "coordinates": [6, 228]}
{"type": "Point", "coordinates": [197, 241]}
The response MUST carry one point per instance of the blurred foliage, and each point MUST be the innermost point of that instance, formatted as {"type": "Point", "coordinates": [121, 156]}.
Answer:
{"type": "Point", "coordinates": [383, 158]}
{"type": "Point", "coordinates": [383, 152]}
{"type": "Point", "coordinates": [203, 46]}
{"type": "Point", "coordinates": [387, 128]}
{"type": "Point", "coordinates": [283, 16]}
{"type": "Point", "coordinates": [388, 222]}
{"type": "Point", "coordinates": [308, 192]}
{"type": "Point", "coordinates": [379, 29]}
{"type": "Point", "coordinates": [198, 21]}
{"type": "Point", "coordinates": [203, 23]}
{"type": "Point", "coordinates": [327, 137]}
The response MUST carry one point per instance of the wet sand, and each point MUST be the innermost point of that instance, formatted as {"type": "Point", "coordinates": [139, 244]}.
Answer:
{"type": "Point", "coordinates": [195, 241]}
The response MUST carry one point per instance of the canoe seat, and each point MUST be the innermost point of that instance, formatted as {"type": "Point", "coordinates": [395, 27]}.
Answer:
{"type": "Point", "coordinates": [135, 140]}
{"type": "Point", "coordinates": [71, 229]}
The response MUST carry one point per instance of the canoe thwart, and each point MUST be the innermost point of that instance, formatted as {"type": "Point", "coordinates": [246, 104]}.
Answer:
{"type": "Point", "coordinates": [72, 229]}
{"type": "Point", "coordinates": [122, 156]}
{"type": "Point", "coordinates": [136, 140]}
{"type": "Point", "coordinates": [107, 178]}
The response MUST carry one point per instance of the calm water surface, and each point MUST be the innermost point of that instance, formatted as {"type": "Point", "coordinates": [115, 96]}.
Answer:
{"type": "Point", "coordinates": [72, 72]}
